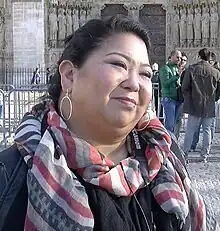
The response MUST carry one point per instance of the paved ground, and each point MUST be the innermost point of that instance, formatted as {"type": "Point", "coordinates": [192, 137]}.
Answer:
{"type": "Point", "coordinates": [206, 177]}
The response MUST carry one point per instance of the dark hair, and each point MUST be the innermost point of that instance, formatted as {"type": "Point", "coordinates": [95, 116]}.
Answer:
{"type": "Point", "coordinates": [87, 38]}
{"type": "Point", "coordinates": [205, 54]}
{"type": "Point", "coordinates": [184, 54]}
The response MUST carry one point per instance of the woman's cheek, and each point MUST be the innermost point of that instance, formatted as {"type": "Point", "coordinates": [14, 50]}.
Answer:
{"type": "Point", "coordinates": [109, 76]}
{"type": "Point", "coordinates": [147, 92]}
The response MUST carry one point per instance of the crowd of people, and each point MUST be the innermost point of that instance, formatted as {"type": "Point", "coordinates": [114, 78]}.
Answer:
{"type": "Point", "coordinates": [193, 91]}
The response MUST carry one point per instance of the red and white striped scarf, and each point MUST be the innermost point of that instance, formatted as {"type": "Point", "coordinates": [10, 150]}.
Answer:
{"type": "Point", "coordinates": [58, 201]}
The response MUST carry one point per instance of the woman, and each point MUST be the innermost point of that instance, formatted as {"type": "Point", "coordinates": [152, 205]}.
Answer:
{"type": "Point", "coordinates": [96, 160]}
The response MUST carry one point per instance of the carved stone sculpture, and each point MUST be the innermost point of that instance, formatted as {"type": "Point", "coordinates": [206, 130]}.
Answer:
{"type": "Point", "coordinates": [69, 22]}
{"type": "Point", "coordinates": [183, 21]}
{"type": "Point", "coordinates": [175, 28]}
{"type": "Point", "coordinates": [61, 25]}
{"type": "Point", "coordinates": [2, 28]}
{"type": "Point", "coordinates": [190, 32]}
{"type": "Point", "coordinates": [205, 25]}
{"type": "Point", "coordinates": [75, 19]}
{"type": "Point", "coordinates": [82, 18]}
{"type": "Point", "coordinates": [133, 10]}
{"type": "Point", "coordinates": [53, 27]}
{"type": "Point", "coordinates": [97, 8]}
{"type": "Point", "coordinates": [214, 25]}
{"type": "Point", "coordinates": [89, 14]}
{"type": "Point", "coordinates": [2, 19]}
{"type": "Point", "coordinates": [197, 27]}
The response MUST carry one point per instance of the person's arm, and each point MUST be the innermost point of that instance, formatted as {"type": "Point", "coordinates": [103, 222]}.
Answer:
{"type": "Point", "coordinates": [182, 77]}
{"type": "Point", "coordinates": [217, 92]}
{"type": "Point", "coordinates": [186, 85]}
{"type": "Point", "coordinates": [165, 78]}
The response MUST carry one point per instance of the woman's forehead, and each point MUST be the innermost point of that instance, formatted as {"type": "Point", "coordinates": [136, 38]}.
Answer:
{"type": "Point", "coordinates": [128, 44]}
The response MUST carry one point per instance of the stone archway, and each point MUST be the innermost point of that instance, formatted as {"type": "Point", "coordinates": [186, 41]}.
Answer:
{"type": "Point", "coordinates": [153, 16]}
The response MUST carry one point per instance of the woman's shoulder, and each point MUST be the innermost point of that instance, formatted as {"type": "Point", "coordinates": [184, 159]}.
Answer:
{"type": "Point", "coordinates": [9, 158]}
{"type": "Point", "coordinates": [11, 165]}
{"type": "Point", "coordinates": [12, 189]}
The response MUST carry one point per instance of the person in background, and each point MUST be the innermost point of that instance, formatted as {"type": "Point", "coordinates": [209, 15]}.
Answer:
{"type": "Point", "coordinates": [36, 77]}
{"type": "Point", "coordinates": [180, 114]}
{"type": "Point", "coordinates": [48, 75]}
{"type": "Point", "coordinates": [1, 109]}
{"type": "Point", "coordinates": [92, 158]}
{"type": "Point", "coordinates": [170, 79]}
{"type": "Point", "coordinates": [214, 63]}
{"type": "Point", "coordinates": [200, 81]}
{"type": "Point", "coordinates": [156, 90]}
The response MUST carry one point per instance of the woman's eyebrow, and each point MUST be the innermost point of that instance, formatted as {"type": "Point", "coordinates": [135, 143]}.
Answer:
{"type": "Point", "coordinates": [126, 57]}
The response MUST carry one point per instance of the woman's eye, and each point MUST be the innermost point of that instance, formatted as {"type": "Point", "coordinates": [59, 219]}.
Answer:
{"type": "Point", "coordinates": [120, 64]}
{"type": "Point", "coordinates": [146, 74]}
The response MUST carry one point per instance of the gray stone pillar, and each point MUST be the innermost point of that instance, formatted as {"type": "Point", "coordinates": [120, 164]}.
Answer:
{"type": "Point", "coordinates": [28, 33]}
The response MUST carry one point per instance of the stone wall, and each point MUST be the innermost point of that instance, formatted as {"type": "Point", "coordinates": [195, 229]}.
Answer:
{"type": "Point", "coordinates": [28, 33]}
{"type": "Point", "coordinates": [185, 24]}
{"type": "Point", "coordinates": [193, 25]}
{"type": "Point", "coordinates": [64, 17]}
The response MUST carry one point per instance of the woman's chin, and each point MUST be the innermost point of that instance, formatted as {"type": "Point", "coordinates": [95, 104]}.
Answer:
{"type": "Point", "coordinates": [121, 120]}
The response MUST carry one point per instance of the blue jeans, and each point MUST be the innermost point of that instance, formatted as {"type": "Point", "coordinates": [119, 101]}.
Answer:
{"type": "Point", "coordinates": [196, 137]}
{"type": "Point", "coordinates": [197, 132]}
{"type": "Point", "coordinates": [170, 111]}
{"type": "Point", "coordinates": [179, 117]}
{"type": "Point", "coordinates": [213, 127]}
{"type": "Point", "coordinates": [1, 107]}
{"type": "Point", "coordinates": [193, 124]}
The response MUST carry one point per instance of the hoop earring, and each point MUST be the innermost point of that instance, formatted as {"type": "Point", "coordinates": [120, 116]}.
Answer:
{"type": "Point", "coordinates": [70, 106]}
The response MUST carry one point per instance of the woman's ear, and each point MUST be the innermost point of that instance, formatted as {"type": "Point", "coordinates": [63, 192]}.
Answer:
{"type": "Point", "coordinates": [67, 72]}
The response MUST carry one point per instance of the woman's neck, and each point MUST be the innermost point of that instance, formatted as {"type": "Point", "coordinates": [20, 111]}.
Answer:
{"type": "Point", "coordinates": [115, 152]}
{"type": "Point", "coordinates": [112, 145]}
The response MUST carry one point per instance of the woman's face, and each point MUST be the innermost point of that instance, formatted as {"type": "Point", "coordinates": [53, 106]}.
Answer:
{"type": "Point", "coordinates": [113, 87]}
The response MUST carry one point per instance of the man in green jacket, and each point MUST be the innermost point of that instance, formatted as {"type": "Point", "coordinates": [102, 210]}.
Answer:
{"type": "Point", "coordinates": [170, 79]}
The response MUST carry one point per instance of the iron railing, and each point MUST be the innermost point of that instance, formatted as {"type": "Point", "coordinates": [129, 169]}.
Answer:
{"type": "Point", "coordinates": [22, 76]}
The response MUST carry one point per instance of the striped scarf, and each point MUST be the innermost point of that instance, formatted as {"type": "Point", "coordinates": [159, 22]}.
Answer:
{"type": "Point", "coordinates": [58, 201]}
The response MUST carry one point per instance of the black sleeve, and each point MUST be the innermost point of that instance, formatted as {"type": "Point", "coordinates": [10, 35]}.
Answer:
{"type": "Point", "coordinates": [182, 76]}
{"type": "Point", "coordinates": [217, 93]}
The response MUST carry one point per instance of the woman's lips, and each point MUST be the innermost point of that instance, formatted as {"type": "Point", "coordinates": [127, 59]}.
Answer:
{"type": "Point", "coordinates": [126, 100]}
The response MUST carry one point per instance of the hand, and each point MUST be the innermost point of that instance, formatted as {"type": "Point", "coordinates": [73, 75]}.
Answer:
{"type": "Point", "coordinates": [178, 82]}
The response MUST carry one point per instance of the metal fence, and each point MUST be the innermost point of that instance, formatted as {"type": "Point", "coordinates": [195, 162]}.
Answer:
{"type": "Point", "coordinates": [16, 101]}
{"type": "Point", "coordinates": [22, 76]}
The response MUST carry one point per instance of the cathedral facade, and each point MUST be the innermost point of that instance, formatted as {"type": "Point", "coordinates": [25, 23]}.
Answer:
{"type": "Point", "coordinates": [32, 31]}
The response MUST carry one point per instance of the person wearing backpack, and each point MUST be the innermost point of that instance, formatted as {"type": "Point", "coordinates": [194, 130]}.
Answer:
{"type": "Point", "coordinates": [89, 156]}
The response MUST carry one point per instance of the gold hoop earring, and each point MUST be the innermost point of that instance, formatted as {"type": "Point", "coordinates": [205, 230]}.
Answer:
{"type": "Point", "coordinates": [70, 106]}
